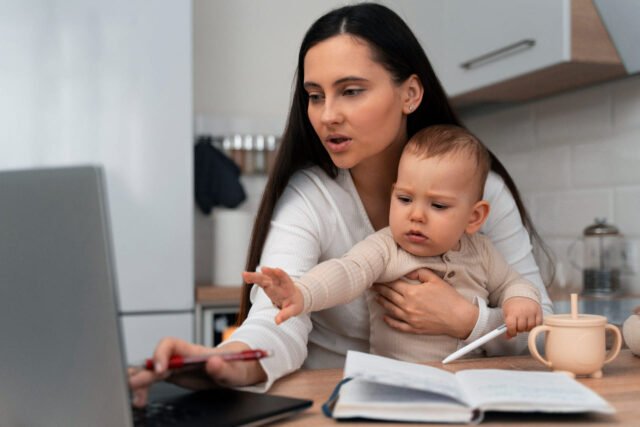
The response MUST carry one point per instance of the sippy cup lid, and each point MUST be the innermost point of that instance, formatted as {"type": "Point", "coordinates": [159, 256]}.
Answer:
{"type": "Point", "coordinates": [582, 320]}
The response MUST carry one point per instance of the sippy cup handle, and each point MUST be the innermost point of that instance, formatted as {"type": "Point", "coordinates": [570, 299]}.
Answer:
{"type": "Point", "coordinates": [532, 344]}
{"type": "Point", "coordinates": [617, 343]}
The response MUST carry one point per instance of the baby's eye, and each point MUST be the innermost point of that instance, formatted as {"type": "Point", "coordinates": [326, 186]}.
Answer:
{"type": "Point", "coordinates": [439, 206]}
{"type": "Point", "coordinates": [404, 199]}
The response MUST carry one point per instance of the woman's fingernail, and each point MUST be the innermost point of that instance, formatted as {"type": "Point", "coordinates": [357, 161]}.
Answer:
{"type": "Point", "coordinates": [158, 367]}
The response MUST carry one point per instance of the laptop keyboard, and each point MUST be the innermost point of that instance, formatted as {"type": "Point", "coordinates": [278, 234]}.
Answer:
{"type": "Point", "coordinates": [157, 414]}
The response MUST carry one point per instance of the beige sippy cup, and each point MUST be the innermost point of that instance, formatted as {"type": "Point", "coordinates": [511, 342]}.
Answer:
{"type": "Point", "coordinates": [575, 343]}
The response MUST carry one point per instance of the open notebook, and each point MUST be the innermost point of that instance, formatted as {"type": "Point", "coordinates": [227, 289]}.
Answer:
{"type": "Point", "coordinates": [380, 388]}
{"type": "Point", "coordinates": [62, 354]}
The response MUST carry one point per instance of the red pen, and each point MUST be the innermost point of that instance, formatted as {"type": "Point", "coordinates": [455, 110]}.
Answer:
{"type": "Point", "coordinates": [176, 362]}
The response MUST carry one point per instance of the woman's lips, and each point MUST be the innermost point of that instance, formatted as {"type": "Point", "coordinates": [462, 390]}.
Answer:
{"type": "Point", "coordinates": [337, 144]}
{"type": "Point", "coordinates": [416, 237]}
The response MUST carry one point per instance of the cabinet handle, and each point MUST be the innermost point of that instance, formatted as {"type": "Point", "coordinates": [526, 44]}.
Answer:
{"type": "Point", "coordinates": [499, 53]}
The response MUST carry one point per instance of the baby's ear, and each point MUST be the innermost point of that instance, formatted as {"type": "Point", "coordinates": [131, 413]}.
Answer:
{"type": "Point", "coordinates": [478, 216]}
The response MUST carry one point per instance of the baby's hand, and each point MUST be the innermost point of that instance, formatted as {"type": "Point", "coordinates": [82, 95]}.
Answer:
{"type": "Point", "coordinates": [521, 315]}
{"type": "Point", "coordinates": [280, 289]}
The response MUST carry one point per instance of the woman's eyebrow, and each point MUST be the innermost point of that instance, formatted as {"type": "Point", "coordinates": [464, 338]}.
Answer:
{"type": "Point", "coordinates": [347, 79]}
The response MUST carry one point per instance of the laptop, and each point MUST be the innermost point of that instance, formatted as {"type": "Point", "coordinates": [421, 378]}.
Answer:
{"type": "Point", "coordinates": [61, 351]}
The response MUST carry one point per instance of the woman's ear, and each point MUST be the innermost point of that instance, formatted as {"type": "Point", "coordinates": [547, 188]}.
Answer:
{"type": "Point", "coordinates": [413, 91]}
{"type": "Point", "coordinates": [478, 216]}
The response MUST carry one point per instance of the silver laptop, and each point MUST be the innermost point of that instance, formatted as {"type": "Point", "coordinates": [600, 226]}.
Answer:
{"type": "Point", "coordinates": [61, 352]}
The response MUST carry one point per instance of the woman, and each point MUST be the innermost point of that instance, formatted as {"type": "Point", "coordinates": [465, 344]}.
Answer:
{"type": "Point", "coordinates": [364, 86]}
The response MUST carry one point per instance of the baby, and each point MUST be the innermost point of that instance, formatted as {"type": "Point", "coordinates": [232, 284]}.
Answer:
{"type": "Point", "coordinates": [436, 210]}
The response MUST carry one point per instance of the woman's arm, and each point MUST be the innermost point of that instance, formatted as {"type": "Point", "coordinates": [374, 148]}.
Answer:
{"type": "Point", "coordinates": [294, 244]}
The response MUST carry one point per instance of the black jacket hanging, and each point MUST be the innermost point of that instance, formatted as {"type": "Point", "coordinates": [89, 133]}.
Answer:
{"type": "Point", "coordinates": [217, 178]}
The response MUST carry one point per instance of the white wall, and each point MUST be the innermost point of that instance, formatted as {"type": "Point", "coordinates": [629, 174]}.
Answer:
{"type": "Point", "coordinates": [575, 156]}
{"type": "Point", "coordinates": [242, 79]}
{"type": "Point", "coordinates": [110, 83]}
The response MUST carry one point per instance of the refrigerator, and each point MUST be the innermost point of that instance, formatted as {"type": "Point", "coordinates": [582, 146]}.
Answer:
{"type": "Point", "coordinates": [110, 83]}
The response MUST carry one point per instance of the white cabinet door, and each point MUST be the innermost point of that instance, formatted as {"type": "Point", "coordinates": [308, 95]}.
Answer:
{"type": "Point", "coordinates": [494, 40]}
{"type": "Point", "coordinates": [425, 18]}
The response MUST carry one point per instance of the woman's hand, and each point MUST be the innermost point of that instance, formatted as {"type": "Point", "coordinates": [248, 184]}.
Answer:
{"type": "Point", "coordinates": [216, 370]}
{"type": "Point", "coordinates": [433, 307]}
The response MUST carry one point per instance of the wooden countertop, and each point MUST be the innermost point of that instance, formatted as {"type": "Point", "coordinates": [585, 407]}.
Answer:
{"type": "Point", "coordinates": [218, 295]}
{"type": "Point", "coordinates": [620, 386]}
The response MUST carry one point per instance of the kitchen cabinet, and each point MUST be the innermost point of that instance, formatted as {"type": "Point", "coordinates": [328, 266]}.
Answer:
{"type": "Point", "coordinates": [621, 19]}
{"type": "Point", "coordinates": [515, 50]}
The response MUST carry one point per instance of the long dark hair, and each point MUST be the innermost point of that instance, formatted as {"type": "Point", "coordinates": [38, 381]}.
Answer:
{"type": "Point", "coordinates": [396, 48]}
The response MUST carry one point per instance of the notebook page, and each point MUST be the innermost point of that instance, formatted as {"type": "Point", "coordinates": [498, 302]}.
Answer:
{"type": "Point", "coordinates": [363, 399]}
{"type": "Point", "coordinates": [505, 390]}
{"type": "Point", "coordinates": [401, 374]}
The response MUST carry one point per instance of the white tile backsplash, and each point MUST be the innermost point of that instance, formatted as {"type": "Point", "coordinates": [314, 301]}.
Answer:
{"type": "Point", "coordinates": [567, 213]}
{"type": "Point", "coordinates": [574, 116]}
{"type": "Point", "coordinates": [530, 169]}
{"type": "Point", "coordinates": [626, 103]}
{"type": "Point", "coordinates": [610, 162]}
{"type": "Point", "coordinates": [574, 157]}
{"type": "Point", "coordinates": [515, 132]}
{"type": "Point", "coordinates": [627, 209]}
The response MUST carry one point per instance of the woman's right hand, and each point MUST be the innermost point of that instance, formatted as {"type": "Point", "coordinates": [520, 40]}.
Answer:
{"type": "Point", "coordinates": [216, 370]}
{"type": "Point", "coordinates": [433, 308]}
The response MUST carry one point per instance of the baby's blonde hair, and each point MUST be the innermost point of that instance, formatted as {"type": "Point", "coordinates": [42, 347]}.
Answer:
{"type": "Point", "coordinates": [447, 140]}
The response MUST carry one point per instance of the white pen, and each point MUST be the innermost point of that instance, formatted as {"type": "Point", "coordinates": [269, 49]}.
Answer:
{"type": "Point", "coordinates": [477, 343]}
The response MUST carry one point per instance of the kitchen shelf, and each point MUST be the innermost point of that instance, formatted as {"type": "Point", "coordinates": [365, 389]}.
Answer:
{"type": "Point", "coordinates": [211, 295]}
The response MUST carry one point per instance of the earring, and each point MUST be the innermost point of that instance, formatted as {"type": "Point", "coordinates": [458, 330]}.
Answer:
{"type": "Point", "coordinates": [410, 108]}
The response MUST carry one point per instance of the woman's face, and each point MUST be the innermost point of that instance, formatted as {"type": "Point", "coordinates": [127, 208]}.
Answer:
{"type": "Point", "coordinates": [355, 106]}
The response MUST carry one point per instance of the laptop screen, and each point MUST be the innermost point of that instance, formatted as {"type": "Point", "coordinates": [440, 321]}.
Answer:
{"type": "Point", "coordinates": [61, 353]}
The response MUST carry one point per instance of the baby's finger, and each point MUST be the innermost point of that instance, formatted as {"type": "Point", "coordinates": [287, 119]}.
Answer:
{"type": "Point", "coordinates": [281, 274]}
{"type": "Point", "coordinates": [248, 276]}
{"type": "Point", "coordinates": [271, 274]}
{"type": "Point", "coordinates": [522, 323]}
{"type": "Point", "coordinates": [538, 318]}
{"type": "Point", "coordinates": [286, 313]}
{"type": "Point", "coordinates": [511, 327]}
{"type": "Point", "coordinates": [256, 278]}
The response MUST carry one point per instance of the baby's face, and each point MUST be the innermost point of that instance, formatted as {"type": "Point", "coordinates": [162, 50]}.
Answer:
{"type": "Point", "coordinates": [432, 202]}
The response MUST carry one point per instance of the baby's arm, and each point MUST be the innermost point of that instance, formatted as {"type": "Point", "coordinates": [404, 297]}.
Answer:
{"type": "Point", "coordinates": [519, 298]}
{"type": "Point", "coordinates": [521, 314]}
{"type": "Point", "coordinates": [280, 289]}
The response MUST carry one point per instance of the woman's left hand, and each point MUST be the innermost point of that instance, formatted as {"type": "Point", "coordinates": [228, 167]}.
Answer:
{"type": "Point", "coordinates": [433, 307]}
